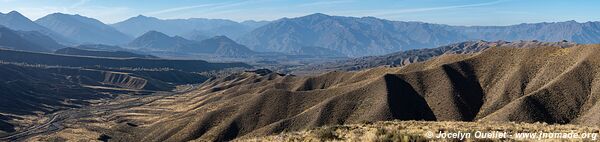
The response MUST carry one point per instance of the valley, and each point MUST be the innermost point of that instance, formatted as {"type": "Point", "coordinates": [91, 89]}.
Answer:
{"type": "Point", "coordinates": [157, 72]}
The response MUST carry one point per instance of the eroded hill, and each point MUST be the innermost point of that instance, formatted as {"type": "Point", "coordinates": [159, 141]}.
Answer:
{"type": "Point", "coordinates": [538, 84]}
{"type": "Point", "coordinates": [35, 86]}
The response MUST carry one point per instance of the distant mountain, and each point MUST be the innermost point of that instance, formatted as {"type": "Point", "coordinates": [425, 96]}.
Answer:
{"type": "Point", "coordinates": [196, 36]}
{"type": "Point", "coordinates": [588, 32]}
{"type": "Point", "coordinates": [83, 29]}
{"type": "Point", "coordinates": [218, 45]}
{"type": "Point", "coordinates": [40, 39]}
{"type": "Point", "coordinates": [158, 41]}
{"type": "Point", "coordinates": [255, 24]}
{"type": "Point", "coordinates": [16, 21]}
{"type": "Point", "coordinates": [223, 46]}
{"type": "Point", "coordinates": [348, 35]}
{"type": "Point", "coordinates": [98, 53]}
{"type": "Point", "coordinates": [26, 41]}
{"type": "Point", "coordinates": [139, 25]}
{"type": "Point", "coordinates": [371, 36]}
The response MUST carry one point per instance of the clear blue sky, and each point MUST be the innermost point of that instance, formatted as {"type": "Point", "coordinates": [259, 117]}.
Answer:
{"type": "Point", "coordinates": [452, 12]}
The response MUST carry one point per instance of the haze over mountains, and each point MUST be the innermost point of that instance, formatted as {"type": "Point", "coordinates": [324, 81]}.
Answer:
{"type": "Point", "coordinates": [139, 25]}
{"type": "Point", "coordinates": [16, 21]}
{"type": "Point", "coordinates": [311, 34]}
{"type": "Point", "coordinates": [218, 45]}
{"type": "Point", "coordinates": [67, 77]}
{"type": "Point", "coordinates": [372, 36]}
{"type": "Point", "coordinates": [83, 29]}
{"type": "Point", "coordinates": [26, 41]}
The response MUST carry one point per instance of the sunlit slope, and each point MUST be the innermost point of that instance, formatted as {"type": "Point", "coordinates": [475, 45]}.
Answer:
{"type": "Point", "coordinates": [538, 84]}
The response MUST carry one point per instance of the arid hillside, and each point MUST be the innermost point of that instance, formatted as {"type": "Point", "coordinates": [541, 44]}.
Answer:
{"type": "Point", "coordinates": [36, 86]}
{"type": "Point", "coordinates": [419, 55]}
{"type": "Point", "coordinates": [397, 131]}
{"type": "Point", "coordinates": [538, 84]}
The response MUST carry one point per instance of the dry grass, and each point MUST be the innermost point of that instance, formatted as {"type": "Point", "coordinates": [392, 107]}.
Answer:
{"type": "Point", "coordinates": [400, 131]}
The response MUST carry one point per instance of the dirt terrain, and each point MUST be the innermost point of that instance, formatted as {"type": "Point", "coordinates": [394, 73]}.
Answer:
{"type": "Point", "coordinates": [553, 85]}
{"type": "Point", "coordinates": [423, 130]}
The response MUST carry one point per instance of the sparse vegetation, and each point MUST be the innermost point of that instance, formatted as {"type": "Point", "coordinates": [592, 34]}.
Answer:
{"type": "Point", "coordinates": [415, 131]}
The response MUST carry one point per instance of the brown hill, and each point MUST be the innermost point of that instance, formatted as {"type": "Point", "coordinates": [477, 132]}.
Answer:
{"type": "Point", "coordinates": [542, 84]}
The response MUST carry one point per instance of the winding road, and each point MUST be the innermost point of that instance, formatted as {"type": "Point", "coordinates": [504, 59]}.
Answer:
{"type": "Point", "coordinates": [55, 120]}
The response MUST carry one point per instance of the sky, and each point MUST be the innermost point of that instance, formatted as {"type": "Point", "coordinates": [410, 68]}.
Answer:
{"type": "Point", "coordinates": [451, 12]}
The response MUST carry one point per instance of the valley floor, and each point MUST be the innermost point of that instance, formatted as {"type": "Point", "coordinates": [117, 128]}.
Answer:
{"type": "Point", "coordinates": [385, 131]}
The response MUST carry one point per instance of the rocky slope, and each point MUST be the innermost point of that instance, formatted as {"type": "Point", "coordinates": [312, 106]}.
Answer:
{"type": "Point", "coordinates": [536, 84]}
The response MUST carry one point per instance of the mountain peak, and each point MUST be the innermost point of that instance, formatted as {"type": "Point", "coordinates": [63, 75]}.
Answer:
{"type": "Point", "coordinates": [14, 13]}
{"type": "Point", "coordinates": [314, 17]}
{"type": "Point", "coordinates": [142, 17]}
{"type": "Point", "coordinates": [154, 34]}
{"type": "Point", "coordinates": [221, 38]}
{"type": "Point", "coordinates": [317, 15]}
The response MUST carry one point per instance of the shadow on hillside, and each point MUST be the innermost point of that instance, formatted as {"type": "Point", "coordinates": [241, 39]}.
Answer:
{"type": "Point", "coordinates": [405, 103]}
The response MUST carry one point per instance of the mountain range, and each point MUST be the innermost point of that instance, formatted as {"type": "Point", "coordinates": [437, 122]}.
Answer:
{"type": "Point", "coordinates": [312, 34]}
{"type": "Point", "coordinates": [16, 21]}
{"type": "Point", "coordinates": [192, 27]}
{"type": "Point", "coordinates": [218, 45]}
{"type": "Point", "coordinates": [83, 29]}
{"type": "Point", "coordinates": [372, 36]}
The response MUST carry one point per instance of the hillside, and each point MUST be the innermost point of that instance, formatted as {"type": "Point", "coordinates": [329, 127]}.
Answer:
{"type": "Point", "coordinates": [418, 55]}
{"type": "Point", "coordinates": [536, 84]}
{"type": "Point", "coordinates": [418, 131]}
{"type": "Point", "coordinates": [83, 29]}
{"type": "Point", "coordinates": [36, 85]}
{"type": "Point", "coordinates": [93, 53]}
